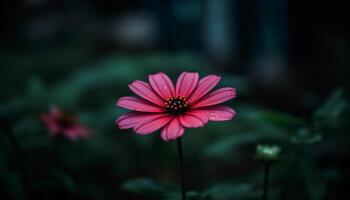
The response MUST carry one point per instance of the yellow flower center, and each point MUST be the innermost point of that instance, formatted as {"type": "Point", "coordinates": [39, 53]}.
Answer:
{"type": "Point", "coordinates": [176, 105]}
{"type": "Point", "coordinates": [66, 120]}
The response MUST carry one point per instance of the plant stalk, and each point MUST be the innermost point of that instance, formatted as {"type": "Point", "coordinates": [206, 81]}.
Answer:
{"type": "Point", "coordinates": [266, 181]}
{"type": "Point", "coordinates": [179, 149]}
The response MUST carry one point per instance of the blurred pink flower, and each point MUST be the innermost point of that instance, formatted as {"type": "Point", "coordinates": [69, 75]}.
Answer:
{"type": "Point", "coordinates": [65, 124]}
{"type": "Point", "coordinates": [187, 105]}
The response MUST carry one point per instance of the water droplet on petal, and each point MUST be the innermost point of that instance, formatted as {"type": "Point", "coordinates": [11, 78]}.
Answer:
{"type": "Point", "coordinates": [212, 116]}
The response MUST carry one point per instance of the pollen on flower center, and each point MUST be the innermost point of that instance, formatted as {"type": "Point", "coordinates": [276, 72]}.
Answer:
{"type": "Point", "coordinates": [66, 120]}
{"type": "Point", "coordinates": [176, 105]}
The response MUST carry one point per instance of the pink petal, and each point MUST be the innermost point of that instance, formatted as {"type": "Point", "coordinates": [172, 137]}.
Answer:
{"type": "Point", "coordinates": [173, 130]}
{"type": "Point", "coordinates": [50, 124]}
{"type": "Point", "coordinates": [138, 104]}
{"type": "Point", "coordinates": [204, 86]}
{"type": "Point", "coordinates": [131, 119]}
{"type": "Point", "coordinates": [216, 97]}
{"type": "Point", "coordinates": [128, 120]}
{"type": "Point", "coordinates": [76, 132]}
{"type": "Point", "coordinates": [145, 91]}
{"type": "Point", "coordinates": [148, 126]}
{"type": "Point", "coordinates": [193, 119]}
{"type": "Point", "coordinates": [216, 113]}
{"type": "Point", "coordinates": [186, 83]}
{"type": "Point", "coordinates": [162, 85]}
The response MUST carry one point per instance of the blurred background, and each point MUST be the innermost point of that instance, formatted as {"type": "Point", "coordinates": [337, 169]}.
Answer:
{"type": "Point", "coordinates": [288, 61]}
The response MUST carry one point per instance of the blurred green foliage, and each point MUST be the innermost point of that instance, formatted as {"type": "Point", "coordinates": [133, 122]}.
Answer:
{"type": "Point", "coordinates": [218, 157]}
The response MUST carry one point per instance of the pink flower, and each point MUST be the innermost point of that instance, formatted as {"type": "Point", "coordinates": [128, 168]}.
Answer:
{"type": "Point", "coordinates": [160, 105]}
{"type": "Point", "coordinates": [60, 123]}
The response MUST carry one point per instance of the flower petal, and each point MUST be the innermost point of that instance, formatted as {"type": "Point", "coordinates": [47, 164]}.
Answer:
{"type": "Point", "coordinates": [145, 91]}
{"type": "Point", "coordinates": [148, 126]}
{"type": "Point", "coordinates": [193, 119]}
{"type": "Point", "coordinates": [138, 104]}
{"type": "Point", "coordinates": [76, 132]}
{"type": "Point", "coordinates": [172, 130]}
{"type": "Point", "coordinates": [204, 86]}
{"type": "Point", "coordinates": [162, 85]}
{"type": "Point", "coordinates": [131, 119]}
{"type": "Point", "coordinates": [186, 83]}
{"type": "Point", "coordinates": [216, 97]}
{"type": "Point", "coordinates": [216, 113]}
{"type": "Point", "coordinates": [50, 123]}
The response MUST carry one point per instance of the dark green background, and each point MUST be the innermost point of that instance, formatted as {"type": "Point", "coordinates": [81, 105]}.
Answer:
{"type": "Point", "coordinates": [287, 59]}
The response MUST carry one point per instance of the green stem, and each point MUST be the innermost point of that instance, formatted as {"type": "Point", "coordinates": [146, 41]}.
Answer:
{"type": "Point", "coordinates": [179, 149]}
{"type": "Point", "coordinates": [266, 181]}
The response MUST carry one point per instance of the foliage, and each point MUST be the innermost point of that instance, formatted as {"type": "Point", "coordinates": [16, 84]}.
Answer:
{"type": "Point", "coordinates": [218, 157]}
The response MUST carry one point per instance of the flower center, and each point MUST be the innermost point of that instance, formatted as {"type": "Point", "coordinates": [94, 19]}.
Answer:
{"type": "Point", "coordinates": [176, 105]}
{"type": "Point", "coordinates": [66, 120]}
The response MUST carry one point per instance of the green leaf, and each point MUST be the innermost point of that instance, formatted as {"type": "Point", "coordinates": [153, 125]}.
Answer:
{"type": "Point", "coordinates": [279, 119]}
{"type": "Point", "coordinates": [226, 191]}
{"type": "Point", "coordinates": [150, 188]}
{"type": "Point", "coordinates": [305, 136]}
{"type": "Point", "coordinates": [260, 114]}
{"type": "Point", "coordinates": [332, 108]}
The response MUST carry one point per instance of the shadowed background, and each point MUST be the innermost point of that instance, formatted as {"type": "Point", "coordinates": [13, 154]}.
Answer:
{"type": "Point", "coordinates": [288, 61]}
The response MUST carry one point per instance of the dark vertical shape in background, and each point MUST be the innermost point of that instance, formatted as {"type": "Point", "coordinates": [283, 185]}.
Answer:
{"type": "Point", "coordinates": [187, 15]}
{"type": "Point", "coordinates": [244, 34]}
{"type": "Point", "coordinates": [269, 61]}
{"type": "Point", "coordinates": [162, 9]}
{"type": "Point", "coordinates": [219, 33]}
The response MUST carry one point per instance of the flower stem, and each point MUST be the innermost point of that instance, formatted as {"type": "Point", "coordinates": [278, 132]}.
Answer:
{"type": "Point", "coordinates": [179, 149]}
{"type": "Point", "coordinates": [266, 181]}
